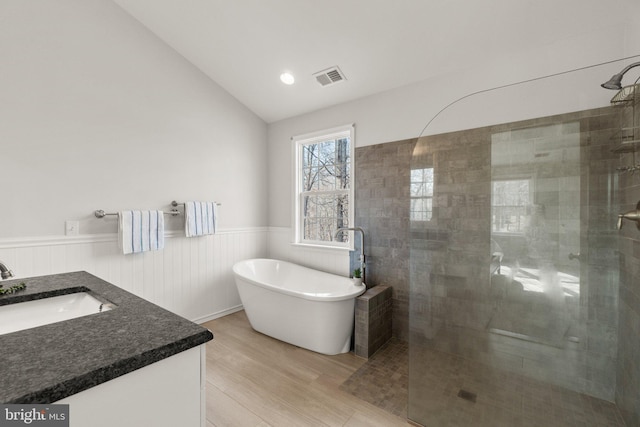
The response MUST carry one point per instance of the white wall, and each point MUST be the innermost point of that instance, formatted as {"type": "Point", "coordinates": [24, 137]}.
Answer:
{"type": "Point", "coordinates": [97, 113]}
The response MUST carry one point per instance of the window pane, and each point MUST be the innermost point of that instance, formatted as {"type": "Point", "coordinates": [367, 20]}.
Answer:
{"type": "Point", "coordinates": [327, 151]}
{"type": "Point", "coordinates": [310, 230]}
{"type": "Point", "coordinates": [326, 178]}
{"type": "Point", "coordinates": [342, 210]}
{"type": "Point", "coordinates": [343, 178]}
{"type": "Point", "coordinates": [324, 214]}
{"type": "Point", "coordinates": [309, 156]}
{"type": "Point", "coordinates": [510, 201]}
{"type": "Point", "coordinates": [428, 188]}
{"type": "Point", "coordinates": [308, 207]}
{"type": "Point", "coordinates": [310, 179]}
{"type": "Point", "coordinates": [342, 151]}
{"type": "Point", "coordinates": [509, 219]}
{"type": "Point", "coordinates": [417, 189]}
{"type": "Point", "coordinates": [511, 193]}
{"type": "Point", "coordinates": [326, 166]}
{"type": "Point", "coordinates": [421, 209]}
{"type": "Point", "coordinates": [326, 229]}
{"type": "Point", "coordinates": [417, 213]}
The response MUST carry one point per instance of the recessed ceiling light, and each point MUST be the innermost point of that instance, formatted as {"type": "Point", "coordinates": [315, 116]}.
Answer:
{"type": "Point", "coordinates": [287, 78]}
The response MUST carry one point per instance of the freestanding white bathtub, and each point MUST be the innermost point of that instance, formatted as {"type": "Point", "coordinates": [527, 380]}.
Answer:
{"type": "Point", "coordinates": [304, 307]}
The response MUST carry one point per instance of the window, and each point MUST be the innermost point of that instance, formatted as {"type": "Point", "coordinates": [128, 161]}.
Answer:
{"type": "Point", "coordinates": [324, 187]}
{"type": "Point", "coordinates": [510, 200]}
{"type": "Point", "coordinates": [421, 194]}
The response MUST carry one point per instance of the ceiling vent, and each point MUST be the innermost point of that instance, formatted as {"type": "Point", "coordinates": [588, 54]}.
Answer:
{"type": "Point", "coordinates": [329, 76]}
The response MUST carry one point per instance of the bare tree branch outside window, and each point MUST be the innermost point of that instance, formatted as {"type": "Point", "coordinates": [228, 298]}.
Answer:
{"type": "Point", "coordinates": [325, 185]}
{"type": "Point", "coordinates": [510, 205]}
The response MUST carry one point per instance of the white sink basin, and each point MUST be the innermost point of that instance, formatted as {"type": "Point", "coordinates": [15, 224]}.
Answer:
{"type": "Point", "coordinates": [30, 314]}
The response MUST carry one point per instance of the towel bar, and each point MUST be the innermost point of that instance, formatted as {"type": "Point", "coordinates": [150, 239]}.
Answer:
{"type": "Point", "coordinates": [101, 214]}
{"type": "Point", "coordinates": [175, 204]}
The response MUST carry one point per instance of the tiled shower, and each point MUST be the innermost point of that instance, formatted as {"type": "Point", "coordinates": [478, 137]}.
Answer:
{"type": "Point", "coordinates": [517, 294]}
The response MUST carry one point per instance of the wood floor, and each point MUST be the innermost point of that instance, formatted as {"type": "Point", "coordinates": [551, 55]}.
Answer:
{"type": "Point", "coordinates": [255, 380]}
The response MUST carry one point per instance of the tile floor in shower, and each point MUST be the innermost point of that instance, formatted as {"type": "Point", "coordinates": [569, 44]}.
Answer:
{"type": "Point", "coordinates": [254, 380]}
{"type": "Point", "coordinates": [454, 391]}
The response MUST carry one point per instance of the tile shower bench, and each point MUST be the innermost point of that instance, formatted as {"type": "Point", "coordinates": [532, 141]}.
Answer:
{"type": "Point", "coordinates": [136, 364]}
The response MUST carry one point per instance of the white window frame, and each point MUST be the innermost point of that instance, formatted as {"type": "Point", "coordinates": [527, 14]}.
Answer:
{"type": "Point", "coordinates": [298, 142]}
{"type": "Point", "coordinates": [424, 197]}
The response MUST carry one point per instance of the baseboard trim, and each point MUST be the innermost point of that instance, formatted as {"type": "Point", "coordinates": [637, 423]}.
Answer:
{"type": "Point", "coordinates": [205, 319]}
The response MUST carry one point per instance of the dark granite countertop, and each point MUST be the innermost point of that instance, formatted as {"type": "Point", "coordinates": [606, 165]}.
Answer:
{"type": "Point", "coordinates": [51, 362]}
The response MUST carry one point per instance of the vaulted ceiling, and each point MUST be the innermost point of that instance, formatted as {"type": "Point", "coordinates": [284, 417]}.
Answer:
{"type": "Point", "coordinates": [244, 45]}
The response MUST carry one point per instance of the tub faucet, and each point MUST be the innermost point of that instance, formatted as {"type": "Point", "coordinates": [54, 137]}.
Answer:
{"type": "Point", "coordinates": [361, 258]}
{"type": "Point", "coordinates": [5, 273]}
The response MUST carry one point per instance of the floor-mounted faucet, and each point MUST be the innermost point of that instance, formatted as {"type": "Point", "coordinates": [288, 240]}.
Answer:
{"type": "Point", "coordinates": [361, 257]}
{"type": "Point", "coordinates": [5, 273]}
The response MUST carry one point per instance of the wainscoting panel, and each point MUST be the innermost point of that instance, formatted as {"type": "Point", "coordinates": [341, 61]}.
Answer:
{"type": "Point", "coordinates": [191, 277]}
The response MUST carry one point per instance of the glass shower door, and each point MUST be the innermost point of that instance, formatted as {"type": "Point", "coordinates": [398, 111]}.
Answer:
{"type": "Point", "coordinates": [535, 233]}
{"type": "Point", "coordinates": [514, 271]}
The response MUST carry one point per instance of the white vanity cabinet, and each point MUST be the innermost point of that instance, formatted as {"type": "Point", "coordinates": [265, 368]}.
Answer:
{"type": "Point", "coordinates": [168, 393]}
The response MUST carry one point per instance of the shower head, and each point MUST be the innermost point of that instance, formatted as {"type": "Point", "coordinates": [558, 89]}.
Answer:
{"type": "Point", "coordinates": [615, 82]}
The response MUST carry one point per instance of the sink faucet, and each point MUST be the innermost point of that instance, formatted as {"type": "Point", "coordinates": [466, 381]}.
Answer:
{"type": "Point", "coordinates": [361, 258]}
{"type": "Point", "coordinates": [5, 273]}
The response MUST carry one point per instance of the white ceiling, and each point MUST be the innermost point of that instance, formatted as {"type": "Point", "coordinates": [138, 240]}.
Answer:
{"type": "Point", "coordinates": [244, 45]}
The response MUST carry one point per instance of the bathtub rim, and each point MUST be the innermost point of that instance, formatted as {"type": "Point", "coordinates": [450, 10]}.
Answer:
{"type": "Point", "coordinates": [356, 291]}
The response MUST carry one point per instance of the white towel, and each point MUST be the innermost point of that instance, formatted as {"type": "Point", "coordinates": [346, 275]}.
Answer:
{"type": "Point", "coordinates": [140, 231]}
{"type": "Point", "coordinates": [200, 218]}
